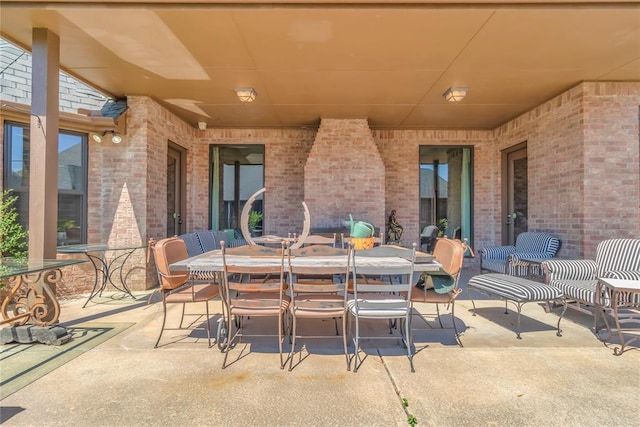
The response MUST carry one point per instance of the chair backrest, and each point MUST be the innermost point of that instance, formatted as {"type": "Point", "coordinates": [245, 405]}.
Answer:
{"type": "Point", "coordinates": [300, 271]}
{"type": "Point", "coordinates": [192, 244]}
{"type": "Point", "coordinates": [540, 242]}
{"type": "Point", "coordinates": [429, 231]}
{"type": "Point", "coordinates": [617, 255]}
{"type": "Point", "coordinates": [242, 265]}
{"type": "Point", "coordinates": [252, 250]}
{"type": "Point", "coordinates": [450, 254]}
{"type": "Point", "coordinates": [361, 266]}
{"type": "Point", "coordinates": [316, 239]}
{"type": "Point", "coordinates": [428, 238]}
{"type": "Point", "coordinates": [318, 250]}
{"type": "Point", "coordinates": [166, 252]}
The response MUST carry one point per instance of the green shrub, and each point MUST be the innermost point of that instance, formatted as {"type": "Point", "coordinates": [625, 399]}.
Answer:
{"type": "Point", "coordinates": [13, 238]}
{"type": "Point", "coordinates": [254, 218]}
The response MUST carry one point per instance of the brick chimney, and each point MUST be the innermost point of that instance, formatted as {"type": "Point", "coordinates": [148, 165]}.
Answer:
{"type": "Point", "coordinates": [344, 174]}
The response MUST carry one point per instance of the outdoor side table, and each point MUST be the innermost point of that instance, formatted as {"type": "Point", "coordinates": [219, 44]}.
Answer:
{"type": "Point", "coordinates": [622, 299]}
{"type": "Point", "coordinates": [105, 268]}
{"type": "Point", "coordinates": [31, 299]}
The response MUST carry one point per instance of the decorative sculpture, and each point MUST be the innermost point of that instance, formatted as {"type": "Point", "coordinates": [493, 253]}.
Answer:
{"type": "Point", "coordinates": [395, 230]}
{"type": "Point", "coordinates": [244, 221]}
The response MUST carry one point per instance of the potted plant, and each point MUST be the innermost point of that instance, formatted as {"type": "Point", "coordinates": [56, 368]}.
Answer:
{"type": "Point", "coordinates": [254, 219]}
{"type": "Point", "coordinates": [63, 227]}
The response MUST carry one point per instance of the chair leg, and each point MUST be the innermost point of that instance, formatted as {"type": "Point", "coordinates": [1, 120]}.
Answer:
{"type": "Point", "coordinates": [344, 340]}
{"type": "Point", "coordinates": [208, 323]}
{"type": "Point", "coordinates": [164, 319]}
{"type": "Point", "coordinates": [280, 338]}
{"type": "Point", "coordinates": [293, 342]}
{"type": "Point", "coordinates": [409, 340]}
{"type": "Point", "coordinates": [438, 313]}
{"type": "Point", "coordinates": [357, 345]}
{"type": "Point", "coordinates": [453, 319]}
{"type": "Point", "coordinates": [182, 316]}
{"type": "Point", "coordinates": [226, 350]}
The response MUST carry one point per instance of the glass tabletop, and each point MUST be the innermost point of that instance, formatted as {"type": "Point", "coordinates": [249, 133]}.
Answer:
{"type": "Point", "coordinates": [98, 247]}
{"type": "Point", "coordinates": [10, 267]}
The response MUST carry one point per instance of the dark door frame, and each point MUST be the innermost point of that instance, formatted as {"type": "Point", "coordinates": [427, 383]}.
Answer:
{"type": "Point", "coordinates": [507, 191]}
{"type": "Point", "coordinates": [181, 186]}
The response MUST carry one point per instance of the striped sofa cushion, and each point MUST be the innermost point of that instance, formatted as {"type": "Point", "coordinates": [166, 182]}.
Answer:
{"type": "Point", "coordinates": [537, 242]}
{"type": "Point", "coordinates": [207, 240]}
{"type": "Point", "coordinates": [193, 244]}
{"type": "Point", "coordinates": [617, 255]}
{"type": "Point", "coordinates": [581, 290]}
{"type": "Point", "coordinates": [514, 288]}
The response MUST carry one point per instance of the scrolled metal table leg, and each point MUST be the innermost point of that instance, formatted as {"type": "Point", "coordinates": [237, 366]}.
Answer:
{"type": "Point", "coordinates": [29, 304]}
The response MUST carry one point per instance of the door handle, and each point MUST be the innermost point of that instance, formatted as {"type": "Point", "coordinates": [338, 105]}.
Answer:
{"type": "Point", "coordinates": [511, 217]}
{"type": "Point", "coordinates": [177, 216]}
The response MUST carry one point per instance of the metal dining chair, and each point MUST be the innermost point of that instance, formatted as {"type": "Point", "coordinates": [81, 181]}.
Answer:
{"type": "Point", "coordinates": [245, 298]}
{"type": "Point", "coordinates": [391, 302]}
{"type": "Point", "coordinates": [317, 293]}
{"type": "Point", "coordinates": [441, 287]}
{"type": "Point", "coordinates": [176, 286]}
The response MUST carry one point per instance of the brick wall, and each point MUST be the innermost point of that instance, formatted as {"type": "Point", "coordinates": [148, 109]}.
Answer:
{"type": "Point", "coordinates": [286, 151]}
{"type": "Point", "coordinates": [582, 149]}
{"type": "Point", "coordinates": [400, 151]}
{"type": "Point", "coordinates": [344, 174]}
{"type": "Point", "coordinates": [611, 182]}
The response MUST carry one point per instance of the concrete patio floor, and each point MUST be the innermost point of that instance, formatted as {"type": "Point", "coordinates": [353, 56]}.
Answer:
{"type": "Point", "coordinates": [495, 379]}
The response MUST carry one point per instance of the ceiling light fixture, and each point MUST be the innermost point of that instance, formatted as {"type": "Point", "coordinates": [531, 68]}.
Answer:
{"type": "Point", "coordinates": [202, 125]}
{"type": "Point", "coordinates": [246, 94]}
{"type": "Point", "coordinates": [455, 94]}
{"type": "Point", "coordinates": [110, 134]}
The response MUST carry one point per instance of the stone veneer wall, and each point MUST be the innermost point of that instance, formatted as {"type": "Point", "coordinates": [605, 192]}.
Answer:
{"type": "Point", "coordinates": [344, 174]}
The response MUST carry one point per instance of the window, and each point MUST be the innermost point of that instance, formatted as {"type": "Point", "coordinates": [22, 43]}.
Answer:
{"type": "Point", "coordinates": [72, 179]}
{"type": "Point", "coordinates": [445, 190]}
{"type": "Point", "coordinates": [237, 173]}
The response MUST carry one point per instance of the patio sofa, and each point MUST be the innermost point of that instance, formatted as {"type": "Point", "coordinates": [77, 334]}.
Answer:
{"type": "Point", "coordinates": [201, 241]}
{"type": "Point", "coordinates": [507, 259]}
{"type": "Point", "coordinates": [577, 279]}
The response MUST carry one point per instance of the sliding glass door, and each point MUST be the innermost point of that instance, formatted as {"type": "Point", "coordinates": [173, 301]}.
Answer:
{"type": "Point", "coordinates": [446, 190]}
{"type": "Point", "coordinates": [237, 171]}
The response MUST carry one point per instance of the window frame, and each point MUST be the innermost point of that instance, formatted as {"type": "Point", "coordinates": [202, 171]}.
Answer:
{"type": "Point", "coordinates": [6, 167]}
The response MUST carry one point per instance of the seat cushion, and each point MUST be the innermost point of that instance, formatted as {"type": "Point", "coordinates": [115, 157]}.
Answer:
{"type": "Point", "coordinates": [514, 288]}
{"type": "Point", "coordinates": [495, 265]}
{"type": "Point", "coordinates": [432, 297]}
{"type": "Point", "coordinates": [195, 293]}
{"type": "Point", "coordinates": [372, 306]}
{"type": "Point", "coordinates": [581, 290]}
{"type": "Point", "coordinates": [318, 306]}
{"type": "Point", "coordinates": [259, 304]}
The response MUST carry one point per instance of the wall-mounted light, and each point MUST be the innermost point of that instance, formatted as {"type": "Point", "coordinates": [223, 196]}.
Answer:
{"type": "Point", "coordinates": [455, 94]}
{"type": "Point", "coordinates": [202, 125]}
{"type": "Point", "coordinates": [107, 135]}
{"type": "Point", "coordinates": [246, 94]}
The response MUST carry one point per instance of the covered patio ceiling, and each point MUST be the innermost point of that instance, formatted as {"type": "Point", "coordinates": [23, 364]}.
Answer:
{"type": "Point", "coordinates": [389, 62]}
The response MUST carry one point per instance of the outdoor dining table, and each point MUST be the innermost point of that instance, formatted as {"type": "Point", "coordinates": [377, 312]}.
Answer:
{"type": "Point", "coordinates": [205, 266]}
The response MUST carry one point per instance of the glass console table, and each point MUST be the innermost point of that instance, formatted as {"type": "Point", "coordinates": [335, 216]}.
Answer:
{"type": "Point", "coordinates": [105, 267]}
{"type": "Point", "coordinates": [31, 299]}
